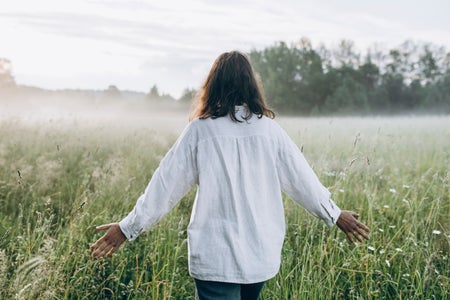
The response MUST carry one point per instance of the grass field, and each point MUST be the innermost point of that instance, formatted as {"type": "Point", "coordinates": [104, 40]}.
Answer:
{"type": "Point", "coordinates": [61, 178]}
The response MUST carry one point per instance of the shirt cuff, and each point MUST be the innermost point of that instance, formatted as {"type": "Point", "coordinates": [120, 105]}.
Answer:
{"type": "Point", "coordinates": [332, 211]}
{"type": "Point", "coordinates": [127, 228]}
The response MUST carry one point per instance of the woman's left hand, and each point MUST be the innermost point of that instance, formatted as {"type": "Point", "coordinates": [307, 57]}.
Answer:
{"type": "Point", "coordinates": [109, 242]}
{"type": "Point", "coordinates": [349, 224]}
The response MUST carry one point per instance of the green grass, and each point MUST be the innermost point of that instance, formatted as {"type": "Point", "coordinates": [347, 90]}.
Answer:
{"type": "Point", "coordinates": [58, 180]}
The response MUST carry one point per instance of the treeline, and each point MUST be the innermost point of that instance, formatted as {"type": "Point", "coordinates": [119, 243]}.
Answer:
{"type": "Point", "coordinates": [10, 89]}
{"type": "Point", "coordinates": [304, 80]}
{"type": "Point", "coordinates": [301, 79]}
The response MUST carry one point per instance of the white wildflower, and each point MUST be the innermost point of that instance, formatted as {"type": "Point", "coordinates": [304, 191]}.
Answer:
{"type": "Point", "coordinates": [436, 232]}
{"type": "Point", "coordinates": [388, 263]}
{"type": "Point", "coordinates": [380, 230]}
{"type": "Point", "coordinates": [398, 250]}
{"type": "Point", "coordinates": [382, 251]}
{"type": "Point", "coordinates": [392, 226]}
{"type": "Point", "coordinates": [405, 186]}
{"type": "Point", "coordinates": [386, 206]}
{"type": "Point", "coordinates": [341, 191]}
{"type": "Point", "coordinates": [371, 248]}
{"type": "Point", "coordinates": [393, 191]}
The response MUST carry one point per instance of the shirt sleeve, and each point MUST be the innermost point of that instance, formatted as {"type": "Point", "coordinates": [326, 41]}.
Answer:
{"type": "Point", "coordinates": [174, 177]}
{"type": "Point", "coordinates": [301, 184]}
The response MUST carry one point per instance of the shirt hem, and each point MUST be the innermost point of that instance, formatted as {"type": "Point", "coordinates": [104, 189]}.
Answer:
{"type": "Point", "coordinates": [238, 280]}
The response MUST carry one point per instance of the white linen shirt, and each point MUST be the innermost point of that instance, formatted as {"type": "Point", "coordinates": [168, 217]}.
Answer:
{"type": "Point", "coordinates": [237, 224]}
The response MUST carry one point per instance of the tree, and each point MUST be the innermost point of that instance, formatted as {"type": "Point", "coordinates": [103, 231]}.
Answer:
{"type": "Point", "coordinates": [350, 97]}
{"type": "Point", "coordinates": [187, 96]}
{"type": "Point", "coordinates": [153, 94]}
{"type": "Point", "coordinates": [429, 65]}
{"type": "Point", "coordinates": [345, 55]}
{"type": "Point", "coordinates": [113, 92]}
{"type": "Point", "coordinates": [6, 78]}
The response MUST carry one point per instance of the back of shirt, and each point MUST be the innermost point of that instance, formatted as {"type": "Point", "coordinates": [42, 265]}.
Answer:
{"type": "Point", "coordinates": [237, 224]}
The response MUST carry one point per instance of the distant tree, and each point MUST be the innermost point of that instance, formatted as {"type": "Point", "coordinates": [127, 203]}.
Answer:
{"type": "Point", "coordinates": [113, 92]}
{"type": "Point", "coordinates": [278, 68]}
{"type": "Point", "coordinates": [369, 77]}
{"type": "Point", "coordinates": [350, 97]}
{"type": "Point", "coordinates": [167, 98]}
{"type": "Point", "coordinates": [153, 94]}
{"type": "Point", "coordinates": [345, 54]}
{"type": "Point", "coordinates": [6, 78]}
{"type": "Point", "coordinates": [187, 96]}
{"type": "Point", "coordinates": [429, 64]}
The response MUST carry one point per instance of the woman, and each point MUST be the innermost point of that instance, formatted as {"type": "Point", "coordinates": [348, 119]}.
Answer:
{"type": "Point", "coordinates": [241, 160]}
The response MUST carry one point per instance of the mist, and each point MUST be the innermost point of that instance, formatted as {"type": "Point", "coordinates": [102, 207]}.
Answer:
{"type": "Point", "coordinates": [37, 107]}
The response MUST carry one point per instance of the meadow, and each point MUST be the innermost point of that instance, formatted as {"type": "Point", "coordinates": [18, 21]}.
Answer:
{"type": "Point", "coordinates": [59, 178]}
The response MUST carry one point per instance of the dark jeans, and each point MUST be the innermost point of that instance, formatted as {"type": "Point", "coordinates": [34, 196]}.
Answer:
{"type": "Point", "coordinates": [213, 290]}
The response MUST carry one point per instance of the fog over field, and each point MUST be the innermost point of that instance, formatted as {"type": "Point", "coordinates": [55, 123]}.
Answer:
{"type": "Point", "coordinates": [63, 110]}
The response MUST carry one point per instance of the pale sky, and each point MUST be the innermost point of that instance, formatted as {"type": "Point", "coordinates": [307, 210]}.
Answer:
{"type": "Point", "coordinates": [90, 44]}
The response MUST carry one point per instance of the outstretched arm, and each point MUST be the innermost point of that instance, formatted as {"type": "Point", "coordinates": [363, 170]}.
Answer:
{"type": "Point", "coordinates": [175, 175]}
{"type": "Point", "coordinates": [349, 224]}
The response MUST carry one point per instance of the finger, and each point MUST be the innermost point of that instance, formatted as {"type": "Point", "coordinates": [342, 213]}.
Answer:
{"type": "Point", "coordinates": [357, 236]}
{"type": "Point", "coordinates": [354, 214]}
{"type": "Point", "coordinates": [101, 247]}
{"type": "Point", "coordinates": [364, 235]}
{"type": "Point", "coordinates": [107, 250]}
{"type": "Point", "coordinates": [103, 251]}
{"type": "Point", "coordinates": [364, 227]}
{"type": "Point", "coordinates": [113, 249]}
{"type": "Point", "coordinates": [361, 233]}
{"type": "Point", "coordinates": [97, 243]}
{"type": "Point", "coordinates": [104, 226]}
{"type": "Point", "coordinates": [349, 237]}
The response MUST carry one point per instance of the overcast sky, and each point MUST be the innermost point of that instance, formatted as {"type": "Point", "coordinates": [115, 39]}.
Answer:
{"type": "Point", "coordinates": [135, 44]}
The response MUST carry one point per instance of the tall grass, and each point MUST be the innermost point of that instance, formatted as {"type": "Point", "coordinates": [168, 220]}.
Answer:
{"type": "Point", "coordinates": [58, 181]}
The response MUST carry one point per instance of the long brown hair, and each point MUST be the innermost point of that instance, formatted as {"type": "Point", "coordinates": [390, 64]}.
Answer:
{"type": "Point", "coordinates": [230, 82]}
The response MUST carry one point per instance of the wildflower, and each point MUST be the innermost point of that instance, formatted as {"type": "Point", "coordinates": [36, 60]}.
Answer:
{"type": "Point", "coordinates": [392, 226]}
{"type": "Point", "coordinates": [380, 230]}
{"type": "Point", "coordinates": [386, 206]}
{"type": "Point", "coordinates": [371, 248]}
{"type": "Point", "coordinates": [341, 191]}
{"type": "Point", "coordinates": [436, 232]}
{"type": "Point", "coordinates": [382, 251]}
{"type": "Point", "coordinates": [393, 191]}
{"type": "Point", "coordinates": [398, 250]}
{"type": "Point", "coordinates": [405, 186]}
{"type": "Point", "coordinates": [388, 263]}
